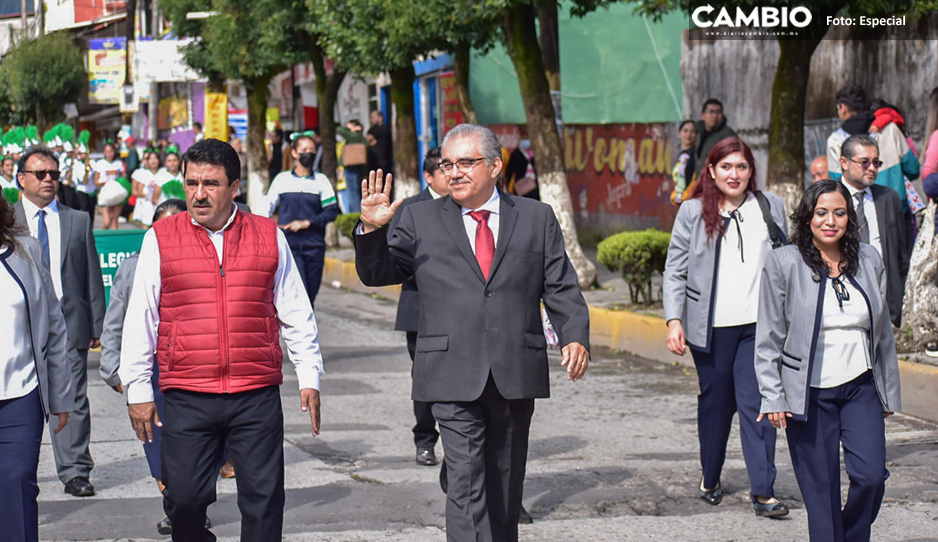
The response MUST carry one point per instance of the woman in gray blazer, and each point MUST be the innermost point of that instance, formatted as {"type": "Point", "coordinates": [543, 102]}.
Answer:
{"type": "Point", "coordinates": [826, 362]}
{"type": "Point", "coordinates": [711, 288]}
{"type": "Point", "coordinates": [34, 376]}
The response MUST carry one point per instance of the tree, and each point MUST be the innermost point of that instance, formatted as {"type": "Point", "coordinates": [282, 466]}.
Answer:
{"type": "Point", "coordinates": [374, 37]}
{"type": "Point", "coordinates": [520, 36]}
{"type": "Point", "coordinates": [789, 89]}
{"type": "Point", "coordinates": [250, 40]}
{"type": "Point", "coordinates": [39, 77]}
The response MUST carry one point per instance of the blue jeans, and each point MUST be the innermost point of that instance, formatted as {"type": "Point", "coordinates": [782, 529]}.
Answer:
{"type": "Point", "coordinates": [353, 186]}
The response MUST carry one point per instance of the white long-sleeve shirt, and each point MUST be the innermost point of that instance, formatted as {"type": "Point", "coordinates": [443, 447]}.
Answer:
{"type": "Point", "coordinates": [297, 322]}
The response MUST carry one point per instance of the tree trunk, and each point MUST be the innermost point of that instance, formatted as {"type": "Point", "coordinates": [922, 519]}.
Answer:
{"type": "Point", "coordinates": [461, 69]}
{"type": "Point", "coordinates": [327, 93]}
{"type": "Point", "coordinates": [542, 130]}
{"type": "Point", "coordinates": [258, 176]}
{"type": "Point", "coordinates": [785, 175]}
{"type": "Point", "coordinates": [919, 313]}
{"type": "Point", "coordinates": [550, 42]}
{"type": "Point", "coordinates": [406, 162]}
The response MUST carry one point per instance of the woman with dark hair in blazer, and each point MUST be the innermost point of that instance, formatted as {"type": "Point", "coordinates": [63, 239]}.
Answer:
{"type": "Point", "coordinates": [826, 362]}
{"type": "Point", "coordinates": [34, 375]}
{"type": "Point", "coordinates": [711, 291]}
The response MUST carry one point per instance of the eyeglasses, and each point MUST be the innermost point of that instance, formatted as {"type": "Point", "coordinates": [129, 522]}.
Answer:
{"type": "Point", "coordinates": [865, 164]}
{"type": "Point", "coordinates": [465, 165]}
{"type": "Point", "coordinates": [41, 174]}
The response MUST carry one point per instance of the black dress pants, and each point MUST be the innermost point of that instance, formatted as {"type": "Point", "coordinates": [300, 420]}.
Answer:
{"type": "Point", "coordinates": [486, 446]}
{"type": "Point", "coordinates": [195, 430]}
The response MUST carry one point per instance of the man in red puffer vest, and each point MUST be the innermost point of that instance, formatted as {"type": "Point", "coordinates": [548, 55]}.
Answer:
{"type": "Point", "coordinates": [214, 290]}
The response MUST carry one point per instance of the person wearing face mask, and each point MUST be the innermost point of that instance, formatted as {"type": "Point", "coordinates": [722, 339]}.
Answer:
{"type": "Point", "coordinates": [720, 240]}
{"type": "Point", "coordinates": [826, 361]}
{"type": "Point", "coordinates": [307, 203]}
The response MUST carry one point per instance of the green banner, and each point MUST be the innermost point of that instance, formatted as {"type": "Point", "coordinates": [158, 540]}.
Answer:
{"type": "Point", "coordinates": [113, 247]}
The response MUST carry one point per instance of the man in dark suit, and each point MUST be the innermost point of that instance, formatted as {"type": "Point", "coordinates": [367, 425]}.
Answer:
{"type": "Point", "coordinates": [69, 251]}
{"type": "Point", "coordinates": [482, 261]}
{"type": "Point", "coordinates": [408, 311]}
{"type": "Point", "coordinates": [881, 216]}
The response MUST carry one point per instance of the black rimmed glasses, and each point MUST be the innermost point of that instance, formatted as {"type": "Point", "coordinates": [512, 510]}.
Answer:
{"type": "Point", "coordinates": [465, 165]}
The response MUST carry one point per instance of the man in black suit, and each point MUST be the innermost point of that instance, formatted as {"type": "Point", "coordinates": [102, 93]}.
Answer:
{"type": "Point", "coordinates": [69, 250]}
{"type": "Point", "coordinates": [881, 216]}
{"type": "Point", "coordinates": [482, 260]}
{"type": "Point", "coordinates": [408, 311]}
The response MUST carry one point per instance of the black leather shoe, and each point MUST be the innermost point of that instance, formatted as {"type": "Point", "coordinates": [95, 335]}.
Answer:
{"type": "Point", "coordinates": [711, 496]}
{"type": "Point", "coordinates": [770, 510]}
{"type": "Point", "coordinates": [525, 518]}
{"type": "Point", "coordinates": [79, 486]}
{"type": "Point", "coordinates": [426, 458]}
{"type": "Point", "coordinates": [164, 526]}
{"type": "Point", "coordinates": [208, 522]}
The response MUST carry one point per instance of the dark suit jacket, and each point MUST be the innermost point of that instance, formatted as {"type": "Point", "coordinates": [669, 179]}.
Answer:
{"type": "Point", "coordinates": [82, 286]}
{"type": "Point", "coordinates": [895, 235]}
{"type": "Point", "coordinates": [408, 305]}
{"type": "Point", "coordinates": [470, 328]}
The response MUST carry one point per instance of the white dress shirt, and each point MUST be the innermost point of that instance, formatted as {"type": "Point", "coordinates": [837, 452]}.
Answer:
{"type": "Point", "coordinates": [843, 344]}
{"type": "Point", "coordinates": [54, 227]}
{"type": "Point", "coordinates": [492, 206]}
{"type": "Point", "coordinates": [297, 322]}
{"type": "Point", "coordinates": [739, 275]}
{"type": "Point", "coordinates": [869, 209]}
{"type": "Point", "coordinates": [17, 369]}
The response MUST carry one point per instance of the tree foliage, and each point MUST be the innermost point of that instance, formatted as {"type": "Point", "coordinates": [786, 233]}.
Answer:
{"type": "Point", "coordinates": [39, 77]}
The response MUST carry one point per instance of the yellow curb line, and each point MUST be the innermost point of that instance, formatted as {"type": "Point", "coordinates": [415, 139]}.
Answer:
{"type": "Point", "coordinates": [644, 336]}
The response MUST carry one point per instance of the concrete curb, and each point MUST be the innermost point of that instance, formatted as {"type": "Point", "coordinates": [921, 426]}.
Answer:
{"type": "Point", "coordinates": [644, 336]}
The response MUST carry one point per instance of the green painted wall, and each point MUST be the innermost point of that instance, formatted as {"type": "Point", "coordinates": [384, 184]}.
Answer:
{"type": "Point", "coordinates": [610, 72]}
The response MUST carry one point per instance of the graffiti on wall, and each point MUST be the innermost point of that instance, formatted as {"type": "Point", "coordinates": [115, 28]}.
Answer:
{"type": "Point", "coordinates": [620, 169]}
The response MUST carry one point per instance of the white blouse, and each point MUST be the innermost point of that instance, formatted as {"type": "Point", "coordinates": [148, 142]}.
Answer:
{"type": "Point", "coordinates": [17, 369]}
{"type": "Point", "coordinates": [736, 299]}
{"type": "Point", "coordinates": [843, 345]}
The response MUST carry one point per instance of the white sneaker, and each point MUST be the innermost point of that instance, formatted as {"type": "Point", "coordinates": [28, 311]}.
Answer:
{"type": "Point", "coordinates": [931, 349]}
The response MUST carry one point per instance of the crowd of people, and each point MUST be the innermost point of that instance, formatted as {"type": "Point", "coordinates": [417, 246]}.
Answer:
{"type": "Point", "coordinates": [789, 318]}
{"type": "Point", "coordinates": [791, 325]}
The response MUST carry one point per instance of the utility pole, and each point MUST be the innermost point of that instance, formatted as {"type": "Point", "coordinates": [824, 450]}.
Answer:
{"type": "Point", "coordinates": [24, 25]}
{"type": "Point", "coordinates": [153, 108]}
{"type": "Point", "coordinates": [40, 6]}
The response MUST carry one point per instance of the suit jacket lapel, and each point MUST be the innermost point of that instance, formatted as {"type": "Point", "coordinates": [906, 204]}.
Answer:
{"type": "Point", "coordinates": [20, 214]}
{"type": "Point", "coordinates": [65, 229]}
{"type": "Point", "coordinates": [452, 219]}
{"type": "Point", "coordinates": [880, 205]}
{"type": "Point", "coordinates": [507, 217]}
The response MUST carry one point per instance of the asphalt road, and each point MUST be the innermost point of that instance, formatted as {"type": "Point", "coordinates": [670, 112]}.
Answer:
{"type": "Point", "coordinates": [612, 458]}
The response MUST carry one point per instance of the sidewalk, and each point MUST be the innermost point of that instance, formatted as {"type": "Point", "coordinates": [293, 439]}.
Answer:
{"type": "Point", "coordinates": [643, 334]}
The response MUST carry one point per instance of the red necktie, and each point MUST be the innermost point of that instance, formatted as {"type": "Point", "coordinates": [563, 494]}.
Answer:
{"type": "Point", "coordinates": [485, 241]}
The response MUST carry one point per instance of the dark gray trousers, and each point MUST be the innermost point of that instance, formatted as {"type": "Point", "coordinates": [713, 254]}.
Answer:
{"type": "Point", "coordinates": [486, 447]}
{"type": "Point", "coordinates": [71, 446]}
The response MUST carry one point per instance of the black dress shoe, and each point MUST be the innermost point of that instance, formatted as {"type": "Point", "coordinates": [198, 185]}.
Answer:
{"type": "Point", "coordinates": [770, 510]}
{"type": "Point", "coordinates": [164, 526]}
{"type": "Point", "coordinates": [525, 518]}
{"type": "Point", "coordinates": [426, 457]}
{"type": "Point", "coordinates": [711, 496]}
{"type": "Point", "coordinates": [79, 486]}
